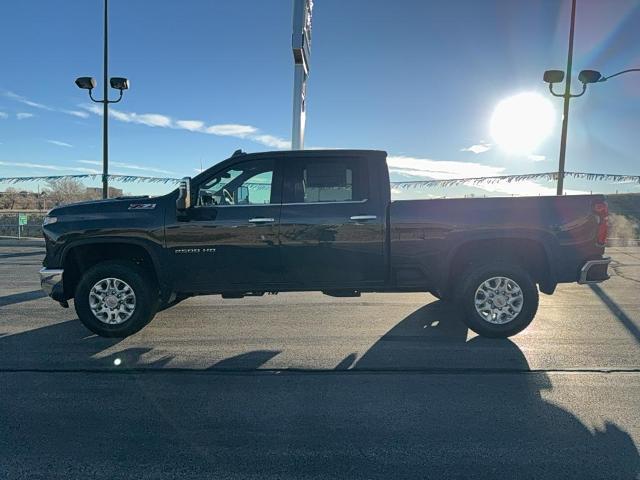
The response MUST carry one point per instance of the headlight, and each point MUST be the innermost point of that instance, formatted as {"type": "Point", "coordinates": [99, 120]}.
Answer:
{"type": "Point", "coordinates": [49, 220]}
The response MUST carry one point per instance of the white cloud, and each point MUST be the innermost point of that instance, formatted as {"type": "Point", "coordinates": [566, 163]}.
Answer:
{"type": "Point", "coordinates": [130, 166]}
{"type": "Point", "coordinates": [271, 141]}
{"type": "Point", "coordinates": [536, 158]}
{"type": "Point", "coordinates": [26, 101]}
{"type": "Point", "coordinates": [41, 106]}
{"type": "Point", "coordinates": [478, 148]}
{"type": "Point", "coordinates": [191, 125]}
{"type": "Point", "coordinates": [24, 115]}
{"type": "Point", "coordinates": [59, 143]}
{"type": "Point", "coordinates": [235, 130]}
{"type": "Point", "coordinates": [4, 115]}
{"type": "Point", "coordinates": [231, 130]}
{"type": "Point", "coordinates": [77, 113]}
{"type": "Point", "coordinates": [436, 169]}
{"type": "Point", "coordinates": [92, 107]}
{"type": "Point", "coordinates": [41, 166]}
{"type": "Point", "coordinates": [152, 120]}
{"type": "Point", "coordinates": [149, 119]}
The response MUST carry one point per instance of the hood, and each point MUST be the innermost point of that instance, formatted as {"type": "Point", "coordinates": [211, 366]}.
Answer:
{"type": "Point", "coordinates": [104, 206]}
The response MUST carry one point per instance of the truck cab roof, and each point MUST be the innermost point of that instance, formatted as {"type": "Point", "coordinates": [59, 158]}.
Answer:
{"type": "Point", "coordinates": [314, 153]}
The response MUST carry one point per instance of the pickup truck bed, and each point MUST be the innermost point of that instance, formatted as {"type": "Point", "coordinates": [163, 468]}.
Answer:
{"type": "Point", "coordinates": [433, 239]}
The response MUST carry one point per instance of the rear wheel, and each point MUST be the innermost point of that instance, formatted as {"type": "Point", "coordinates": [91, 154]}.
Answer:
{"type": "Point", "coordinates": [499, 299]}
{"type": "Point", "coordinates": [116, 298]}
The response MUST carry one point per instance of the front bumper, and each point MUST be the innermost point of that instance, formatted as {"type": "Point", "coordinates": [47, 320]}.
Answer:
{"type": "Point", "coordinates": [51, 283]}
{"type": "Point", "coordinates": [594, 271]}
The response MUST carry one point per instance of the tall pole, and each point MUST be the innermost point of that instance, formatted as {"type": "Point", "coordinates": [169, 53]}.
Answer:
{"type": "Point", "coordinates": [567, 97]}
{"type": "Point", "coordinates": [301, 45]}
{"type": "Point", "coordinates": [299, 107]}
{"type": "Point", "coordinates": [105, 114]}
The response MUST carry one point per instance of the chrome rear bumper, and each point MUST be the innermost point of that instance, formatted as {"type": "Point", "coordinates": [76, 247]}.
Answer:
{"type": "Point", "coordinates": [51, 281]}
{"type": "Point", "coordinates": [594, 271]}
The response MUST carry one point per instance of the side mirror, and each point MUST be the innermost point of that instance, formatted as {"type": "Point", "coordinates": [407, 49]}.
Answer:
{"type": "Point", "coordinates": [183, 202]}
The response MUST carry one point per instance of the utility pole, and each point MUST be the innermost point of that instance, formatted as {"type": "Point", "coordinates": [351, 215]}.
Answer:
{"type": "Point", "coordinates": [567, 98]}
{"type": "Point", "coordinates": [301, 45]}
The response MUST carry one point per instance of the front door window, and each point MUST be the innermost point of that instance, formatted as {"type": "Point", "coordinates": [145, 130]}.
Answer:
{"type": "Point", "coordinates": [247, 183]}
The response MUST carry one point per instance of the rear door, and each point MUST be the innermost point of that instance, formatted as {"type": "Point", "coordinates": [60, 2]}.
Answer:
{"type": "Point", "coordinates": [331, 223]}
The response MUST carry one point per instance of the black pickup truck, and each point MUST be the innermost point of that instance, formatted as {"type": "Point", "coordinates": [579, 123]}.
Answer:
{"type": "Point", "coordinates": [317, 221]}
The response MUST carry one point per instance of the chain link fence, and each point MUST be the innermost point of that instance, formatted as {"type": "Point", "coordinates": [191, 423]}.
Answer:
{"type": "Point", "coordinates": [20, 224]}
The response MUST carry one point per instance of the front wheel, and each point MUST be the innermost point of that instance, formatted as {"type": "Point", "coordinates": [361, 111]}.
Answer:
{"type": "Point", "coordinates": [499, 299]}
{"type": "Point", "coordinates": [116, 299]}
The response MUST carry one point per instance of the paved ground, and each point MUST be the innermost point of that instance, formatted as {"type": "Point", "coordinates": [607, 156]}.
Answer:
{"type": "Point", "coordinates": [308, 386]}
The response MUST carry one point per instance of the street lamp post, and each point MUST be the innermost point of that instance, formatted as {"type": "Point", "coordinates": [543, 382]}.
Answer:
{"type": "Point", "coordinates": [119, 83]}
{"type": "Point", "coordinates": [553, 76]}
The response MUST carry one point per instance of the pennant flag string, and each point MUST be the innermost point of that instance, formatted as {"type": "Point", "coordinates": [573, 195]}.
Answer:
{"type": "Point", "coordinates": [549, 176]}
{"type": "Point", "coordinates": [447, 182]}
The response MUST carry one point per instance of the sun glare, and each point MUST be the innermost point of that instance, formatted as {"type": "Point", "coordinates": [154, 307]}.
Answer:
{"type": "Point", "coordinates": [520, 123]}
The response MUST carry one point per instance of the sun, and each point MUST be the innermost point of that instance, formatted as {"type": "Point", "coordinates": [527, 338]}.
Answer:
{"type": "Point", "coordinates": [520, 123]}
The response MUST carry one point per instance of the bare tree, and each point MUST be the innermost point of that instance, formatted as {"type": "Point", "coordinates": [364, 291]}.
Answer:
{"type": "Point", "coordinates": [9, 198]}
{"type": "Point", "coordinates": [65, 190]}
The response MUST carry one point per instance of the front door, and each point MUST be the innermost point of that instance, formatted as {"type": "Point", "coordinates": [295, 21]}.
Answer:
{"type": "Point", "coordinates": [230, 239]}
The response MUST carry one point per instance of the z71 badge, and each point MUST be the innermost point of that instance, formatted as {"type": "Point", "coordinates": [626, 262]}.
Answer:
{"type": "Point", "coordinates": [142, 206]}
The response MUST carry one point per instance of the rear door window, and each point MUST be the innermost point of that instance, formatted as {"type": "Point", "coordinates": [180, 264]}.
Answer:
{"type": "Point", "coordinates": [326, 181]}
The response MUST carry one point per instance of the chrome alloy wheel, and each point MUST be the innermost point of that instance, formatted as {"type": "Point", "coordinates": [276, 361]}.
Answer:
{"type": "Point", "coordinates": [112, 301]}
{"type": "Point", "coordinates": [499, 300]}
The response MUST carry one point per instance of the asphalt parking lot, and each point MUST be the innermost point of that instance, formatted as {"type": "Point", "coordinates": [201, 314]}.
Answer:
{"type": "Point", "coordinates": [309, 386]}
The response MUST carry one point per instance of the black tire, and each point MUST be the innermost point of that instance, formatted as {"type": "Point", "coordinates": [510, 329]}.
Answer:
{"type": "Point", "coordinates": [471, 280]}
{"type": "Point", "coordinates": [144, 288]}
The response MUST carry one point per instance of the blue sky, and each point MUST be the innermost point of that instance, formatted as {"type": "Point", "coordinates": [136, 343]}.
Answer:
{"type": "Point", "coordinates": [419, 79]}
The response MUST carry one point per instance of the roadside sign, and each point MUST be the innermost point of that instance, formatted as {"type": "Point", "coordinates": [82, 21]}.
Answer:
{"type": "Point", "coordinates": [22, 219]}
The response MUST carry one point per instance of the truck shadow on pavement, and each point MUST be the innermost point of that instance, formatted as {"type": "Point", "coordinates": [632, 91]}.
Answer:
{"type": "Point", "coordinates": [69, 346]}
{"type": "Point", "coordinates": [434, 337]}
{"type": "Point", "coordinates": [485, 399]}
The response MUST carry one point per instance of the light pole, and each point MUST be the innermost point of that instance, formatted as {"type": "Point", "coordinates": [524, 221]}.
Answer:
{"type": "Point", "coordinates": [555, 76]}
{"type": "Point", "coordinates": [119, 83]}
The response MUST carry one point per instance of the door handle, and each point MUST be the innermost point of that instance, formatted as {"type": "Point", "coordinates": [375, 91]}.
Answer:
{"type": "Point", "coordinates": [261, 220]}
{"type": "Point", "coordinates": [360, 218]}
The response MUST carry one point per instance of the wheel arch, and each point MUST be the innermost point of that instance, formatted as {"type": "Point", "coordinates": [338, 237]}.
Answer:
{"type": "Point", "coordinates": [531, 254]}
{"type": "Point", "coordinates": [78, 256]}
